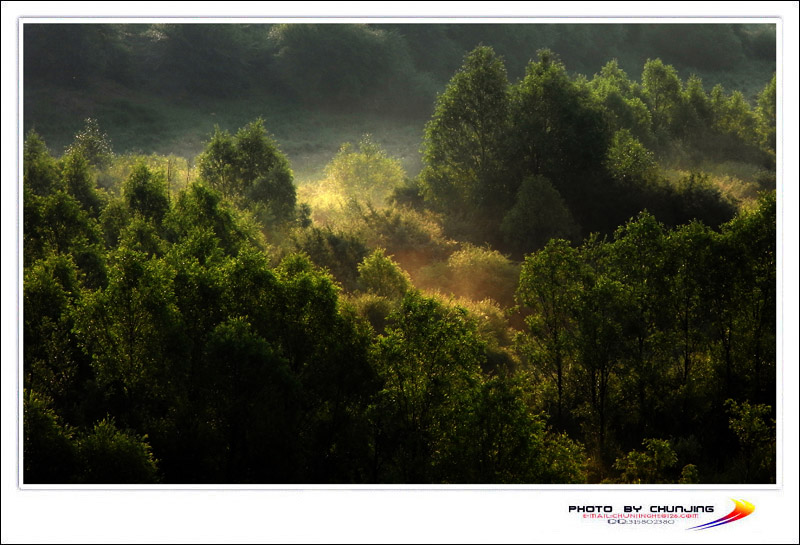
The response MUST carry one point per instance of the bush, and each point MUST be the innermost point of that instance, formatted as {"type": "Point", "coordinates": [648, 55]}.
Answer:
{"type": "Point", "coordinates": [366, 172]}
{"type": "Point", "coordinates": [374, 308]}
{"type": "Point", "coordinates": [93, 144]}
{"type": "Point", "coordinates": [477, 273]}
{"type": "Point", "coordinates": [649, 467]}
{"type": "Point", "coordinates": [413, 238]}
{"type": "Point", "coordinates": [338, 252]}
{"type": "Point", "coordinates": [115, 457]}
{"type": "Point", "coordinates": [381, 275]}
{"type": "Point", "coordinates": [49, 448]}
{"type": "Point", "coordinates": [540, 214]}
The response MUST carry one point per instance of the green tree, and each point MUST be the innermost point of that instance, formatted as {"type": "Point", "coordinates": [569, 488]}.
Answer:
{"type": "Point", "coordinates": [637, 259]}
{"type": "Point", "coordinates": [698, 107]}
{"type": "Point", "coordinates": [217, 163]}
{"type": "Point", "coordinates": [765, 114]}
{"type": "Point", "coordinates": [688, 253]}
{"type": "Point", "coordinates": [340, 252]}
{"type": "Point", "coordinates": [58, 223]}
{"type": "Point", "coordinates": [662, 88]}
{"type": "Point", "coordinates": [463, 143]}
{"type": "Point", "coordinates": [623, 106]}
{"type": "Point", "coordinates": [111, 456]}
{"type": "Point", "coordinates": [367, 171]}
{"type": "Point", "coordinates": [53, 364]}
{"type": "Point", "coordinates": [748, 246]}
{"type": "Point", "coordinates": [754, 427]}
{"type": "Point", "coordinates": [649, 467]}
{"type": "Point", "coordinates": [80, 182]}
{"type": "Point", "coordinates": [93, 144]}
{"type": "Point", "coordinates": [250, 166]}
{"type": "Point", "coordinates": [539, 215]}
{"type": "Point", "coordinates": [130, 329]}
{"type": "Point", "coordinates": [346, 65]}
{"type": "Point", "coordinates": [379, 274]}
{"type": "Point", "coordinates": [549, 285]}
{"type": "Point", "coordinates": [602, 319]}
{"type": "Point", "coordinates": [202, 208]}
{"type": "Point", "coordinates": [50, 452]}
{"type": "Point", "coordinates": [39, 169]}
{"type": "Point", "coordinates": [254, 397]}
{"type": "Point", "coordinates": [429, 361]}
{"type": "Point", "coordinates": [477, 273]}
{"type": "Point", "coordinates": [628, 161]}
{"type": "Point", "coordinates": [146, 192]}
{"type": "Point", "coordinates": [559, 132]}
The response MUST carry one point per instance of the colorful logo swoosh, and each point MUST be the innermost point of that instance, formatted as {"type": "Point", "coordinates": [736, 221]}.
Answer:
{"type": "Point", "coordinates": [743, 508]}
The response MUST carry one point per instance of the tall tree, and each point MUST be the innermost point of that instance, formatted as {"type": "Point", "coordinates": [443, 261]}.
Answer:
{"type": "Point", "coordinates": [462, 149]}
{"type": "Point", "coordinates": [549, 285]}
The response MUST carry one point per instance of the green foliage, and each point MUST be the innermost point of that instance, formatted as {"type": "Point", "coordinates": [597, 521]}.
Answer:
{"type": "Point", "coordinates": [477, 273]}
{"type": "Point", "coordinates": [381, 275]}
{"type": "Point", "coordinates": [549, 285]}
{"type": "Point", "coordinates": [651, 466]}
{"type": "Point", "coordinates": [112, 456]}
{"type": "Point", "coordinates": [113, 219]}
{"type": "Point", "coordinates": [662, 88]}
{"type": "Point", "coordinates": [160, 324]}
{"type": "Point", "coordinates": [374, 308]}
{"type": "Point", "coordinates": [754, 428]}
{"type": "Point", "coordinates": [429, 363]}
{"type": "Point", "coordinates": [216, 165]}
{"type": "Point", "coordinates": [51, 359]}
{"type": "Point", "coordinates": [128, 330]}
{"type": "Point", "coordinates": [765, 115]}
{"type": "Point", "coordinates": [40, 172]}
{"type": "Point", "coordinates": [560, 132]}
{"type": "Point", "coordinates": [413, 238]}
{"type": "Point", "coordinates": [93, 144]}
{"type": "Point", "coordinates": [463, 142]}
{"type": "Point", "coordinates": [699, 199]}
{"type": "Point", "coordinates": [72, 54]}
{"type": "Point", "coordinates": [689, 475]}
{"type": "Point", "coordinates": [253, 396]}
{"type": "Point", "coordinates": [214, 60]}
{"type": "Point", "coordinates": [200, 208]}
{"type": "Point", "coordinates": [443, 421]}
{"type": "Point", "coordinates": [619, 96]}
{"type": "Point", "coordinates": [338, 252]}
{"type": "Point", "coordinates": [57, 223]}
{"type": "Point", "coordinates": [559, 129]}
{"type": "Point", "coordinates": [250, 165]}
{"type": "Point", "coordinates": [50, 454]}
{"type": "Point", "coordinates": [145, 192]}
{"type": "Point", "coordinates": [539, 215]}
{"type": "Point", "coordinates": [366, 172]}
{"type": "Point", "coordinates": [80, 182]}
{"type": "Point", "coordinates": [628, 161]}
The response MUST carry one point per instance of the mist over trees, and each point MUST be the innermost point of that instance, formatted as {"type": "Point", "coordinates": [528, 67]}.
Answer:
{"type": "Point", "coordinates": [577, 286]}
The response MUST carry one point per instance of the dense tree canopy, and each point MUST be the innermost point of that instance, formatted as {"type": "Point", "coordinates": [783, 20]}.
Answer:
{"type": "Point", "coordinates": [568, 292]}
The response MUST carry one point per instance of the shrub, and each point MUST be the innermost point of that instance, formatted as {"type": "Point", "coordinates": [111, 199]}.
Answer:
{"type": "Point", "coordinates": [367, 171]}
{"type": "Point", "coordinates": [381, 275]}
{"type": "Point", "coordinates": [112, 456]}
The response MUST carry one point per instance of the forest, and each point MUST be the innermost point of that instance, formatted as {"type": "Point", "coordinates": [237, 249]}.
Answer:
{"type": "Point", "coordinates": [539, 254]}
